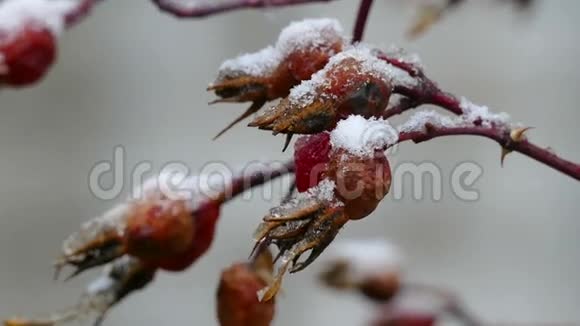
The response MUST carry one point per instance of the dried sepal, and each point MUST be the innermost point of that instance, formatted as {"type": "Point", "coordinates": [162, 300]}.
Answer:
{"type": "Point", "coordinates": [118, 279]}
{"type": "Point", "coordinates": [310, 221]}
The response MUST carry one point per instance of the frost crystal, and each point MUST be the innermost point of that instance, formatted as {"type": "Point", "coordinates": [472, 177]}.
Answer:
{"type": "Point", "coordinates": [368, 63]}
{"type": "Point", "coordinates": [361, 137]}
{"type": "Point", "coordinates": [367, 257]}
{"type": "Point", "coordinates": [15, 14]}
{"type": "Point", "coordinates": [298, 35]}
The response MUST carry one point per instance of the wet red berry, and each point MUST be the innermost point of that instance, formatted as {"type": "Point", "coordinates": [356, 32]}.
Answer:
{"type": "Point", "coordinates": [311, 154]}
{"type": "Point", "coordinates": [26, 56]}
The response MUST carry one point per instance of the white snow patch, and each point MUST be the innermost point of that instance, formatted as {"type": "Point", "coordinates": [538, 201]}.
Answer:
{"type": "Point", "coordinates": [16, 14]}
{"type": "Point", "coordinates": [367, 63]}
{"type": "Point", "coordinates": [260, 63]}
{"type": "Point", "coordinates": [366, 257]}
{"type": "Point", "coordinates": [473, 115]}
{"type": "Point", "coordinates": [320, 33]}
{"type": "Point", "coordinates": [309, 33]}
{"type": "Point", "coordinates": [473, 112]}
{"type": "Point", "coordinates": [361, 137]}
{"type": "Point", "coordinates": [419, 119]}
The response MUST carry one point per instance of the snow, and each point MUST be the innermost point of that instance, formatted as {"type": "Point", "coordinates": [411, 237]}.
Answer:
{"type": "Point", "coordinates": [367, 63]}
{"type": "Point", "coordinates": [15, 14]}
{"type": "Point", "coordinates": [324, 190]}
{"type": "Point", "coordinates": [473, 114]}
{"type": "Point", "coordinates": [402, 55]}
{"type": "Point", "coordinates": [298, 35]}
{"type": "Point", "coordinates": [309, 33]}
{"type": "Point", "coordinates": [260, 63]}
{"type": "Point", "coordinates": [361, 137]}
{"type": "Point", "coordinates": [366, 257]}
{"type": "Point", "coordinates": [419, 119]}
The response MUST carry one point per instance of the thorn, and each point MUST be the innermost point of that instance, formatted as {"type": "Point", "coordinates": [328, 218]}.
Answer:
{"type": "Point", "coordinates": [57, 269]}
{"type": "Point", "coordinates": [288, 139]}
{"type": "Point", "coordinates": [252, 109]}
{"type": "Point", "coordinates": [504, 153]}
{"type": "Point", "coordinates": [518, 134]}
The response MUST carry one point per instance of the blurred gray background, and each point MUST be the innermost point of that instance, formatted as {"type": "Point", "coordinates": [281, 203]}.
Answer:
{"type": "Point", "coordinates": [131, 76]}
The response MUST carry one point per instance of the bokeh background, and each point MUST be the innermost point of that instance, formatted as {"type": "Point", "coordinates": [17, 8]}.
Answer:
{"type": "Point", "coordinates": [134, 77]}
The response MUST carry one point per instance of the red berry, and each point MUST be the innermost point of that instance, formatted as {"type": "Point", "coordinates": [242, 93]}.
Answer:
{"type": "Point", "coordinates": [26, 56]}
{"type": "Point", "coordinates": [168, 235]}
{"type": "Point", "coordinates": [158, 230]}
{"type": "Point", "coordinates": [204, 219]}
{"type": "Point", "coordinates": [238, 303]}
{"type": "Point", "coordinates": [311, 154]}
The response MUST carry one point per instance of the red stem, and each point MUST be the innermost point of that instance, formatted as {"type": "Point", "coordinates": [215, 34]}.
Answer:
{"type": "Point", "coordinates": [361, 20]}
{"type": "Point", "coordinates": [197, 11]}
{"type": "Point", "coordinates": [245, 182]}
{"type": "Point", "coordinates": [503, 138]}
{"type": "Point", "coordinates": [427, 92]}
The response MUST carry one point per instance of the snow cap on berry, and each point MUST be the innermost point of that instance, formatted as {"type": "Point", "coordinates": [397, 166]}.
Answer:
{"type": "Point", "coordinates": [297, 36]}
{"type": "Point", "coordinates": [361, 137]}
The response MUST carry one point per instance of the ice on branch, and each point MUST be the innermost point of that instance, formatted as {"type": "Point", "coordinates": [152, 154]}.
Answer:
{"type": "Point", "coordinates": [320, 33]}
{"type": "Point", "coordinates": [361, 137]}
{"type": "Point", "coordinates": [16, 14]}
{"type": "Point", "coordinates": [366, 258]}
{"type": "Point", "coordinates": [473, 115]}
{"type": "Point", "coordinates": [367, 64]}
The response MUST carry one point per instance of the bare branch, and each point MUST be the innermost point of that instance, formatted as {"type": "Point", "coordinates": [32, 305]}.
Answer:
{"type": "Point", "coordinates": [426, 91]}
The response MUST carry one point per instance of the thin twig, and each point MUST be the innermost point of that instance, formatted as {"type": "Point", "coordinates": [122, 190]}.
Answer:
{"type": "Point", "coordinates": [207, 9]}
{"type": "Point", "coordinates": [504, 139]}
{"type": "Point", "coordinates": [361, 20]}
{"type": "Point", "coordinates": [80, 12]}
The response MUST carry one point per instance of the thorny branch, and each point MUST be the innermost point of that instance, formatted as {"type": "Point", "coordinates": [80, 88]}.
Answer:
{"type": "Point", "coordinates": [426, 91]}
{"type": "Point", "coordinates": [206, 9]}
